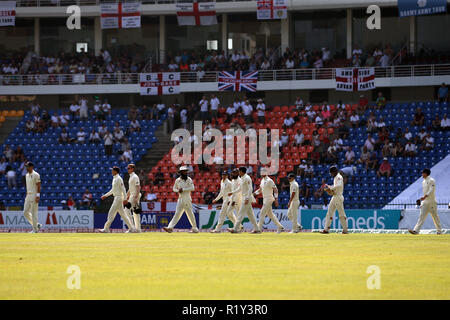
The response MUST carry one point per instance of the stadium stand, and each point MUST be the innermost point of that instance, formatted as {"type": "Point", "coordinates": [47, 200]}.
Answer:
{"type": "Point", "coordinates": [365, 190]}
{"type": "Point", "coordinates": [68, 169]}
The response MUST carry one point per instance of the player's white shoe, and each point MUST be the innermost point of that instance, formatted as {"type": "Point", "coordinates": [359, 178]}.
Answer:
{"type": "Point", "coordinates": [103, 230]}
{"type": "Point", "coordinates": [214, 231]}
{"type": "Point", "coordinates": [194, 230]}
{"type": "Point", "coordinates": [256, 231]}
{"type": "Point", "coordinates": [33, 231]}
{"type": "Point", "coordinates": [280, 230]}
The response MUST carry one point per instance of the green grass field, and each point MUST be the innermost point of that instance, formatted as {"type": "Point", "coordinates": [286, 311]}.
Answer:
{"type": "Point", "coordinates": [224, 266]}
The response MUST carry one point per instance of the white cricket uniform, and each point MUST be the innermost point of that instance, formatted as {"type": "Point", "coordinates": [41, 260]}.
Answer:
{"type": "Point", "coordinates": [235, 198]}
{"type": "Point", "coordinates": [266, 188]}
{"type": "Point", "coordinates": [30, 207]}
{"type": "Point", "coordinates": [295, 203]}
{"type": "Point", "coordinates": [135, 196]}
{"type": "Point", "coordinates": [429, 205]}
{"type": "Point", "coordinates": [119, 193]}
{"type": "Point", "coordinates": [337, 203]}
{"type": "Point", "coordinates": [225, 189]}
{"type": "Point", "coordinates": [184, 203]}
{"type": "Point", "coordinates": [246, 189]}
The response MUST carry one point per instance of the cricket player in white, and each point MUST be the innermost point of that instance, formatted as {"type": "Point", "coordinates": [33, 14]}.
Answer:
{"type": "Point", "coordinates": [336, 202]}
{"type": "Point", "coordinates": [294, 203]}
{"type": "Point", "coordinates": [245, 187]}
{"type": "Point", "coordinates": [183, 186]}
{"type": "Point", "coordinates": [120, 194]}
{"type": "Point", "coordinates": [269, 191]}
{"type": "Point", "coordinates": [225, 189]}
{"type": "Point", "coordinates": [30, 207]}
{"type": "Point", "coordinates": [429, 203]}
{"type": "Point", "coordinates": [133, 197]}
{"type": "Point", "coordinates": [236, 198]}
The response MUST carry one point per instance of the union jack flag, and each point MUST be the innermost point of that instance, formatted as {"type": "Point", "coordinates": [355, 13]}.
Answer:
{"type": "Point", "coordinates": [238, 81]}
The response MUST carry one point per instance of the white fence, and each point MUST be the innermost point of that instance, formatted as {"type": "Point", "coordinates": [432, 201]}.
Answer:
{"type": "Point", "coordinates": [415, 71]}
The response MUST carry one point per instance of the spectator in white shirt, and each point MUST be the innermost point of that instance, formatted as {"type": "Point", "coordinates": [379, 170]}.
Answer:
{"type": "Point", "coordinates": [445, 123]}
{"type": "Point", "coordinates": [183, 118]}
{"type": "Point", "coordinates": [135, 126]}
{"type": "Point", "coordinates": [108, 139]}
{"type": "Point", "coordinates": [204, 108]}
{"type": "Point", "coordinates": [349, 156]}
{"type": "Point", "coordinates": [235, 56]}
{"type": "Point", "coordinates": [410, 149]}
{"type": "Point", "coordinates": [11, 177]}
{"type": "Point", "coordinates": [261, 111]}
{"type": "Point", "coordinates": [118, 134]}
{"type": "Point", "coordinates": [55, 121]}
{"type": "Point", "coordinates": [265, 65]}
{"type": "Point", "coordinates": [408, 135]}
{"type": "Point", "coordinates": [299, 103]}
{"type": "Point", "coordinates": [318, 63]}
{"type": "Point", "coordinates": [299, 138]}
{"type": "Point", "coordinates": [288, 122]}
{"type": "Point", "coordinates": [354, 120]}
{"type": "Point", "coordinates": [214, 103]}
{"type": "Point", "coordinates": [81, 136]}
{"type": "Point", "coordinates": [247, 110]}
{"type": "Point", "coordinates": [289, 63]}
{"type": "Point", "coordinates": [83, 108]}
{"type": "Point", "coordinates": [106, 107]}
{"type": "Point", "coordinates": [74, 110]}
{"type": "Point", "coordinates": [326, 54]}
{"type": "Point", "coordinates": [94, 137]}
{"type": "Point", "coordinates": [429, 142]}
{"type": "Point", "coordinates": [127, 156]}
{"type": "Point", "coordinates": [284, 139]}
{"type": "Point", "coordinates": [369, 143]}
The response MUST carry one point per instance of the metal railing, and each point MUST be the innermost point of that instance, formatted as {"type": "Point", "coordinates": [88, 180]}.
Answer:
{"type": "Point", "coordinates": [212, 76]}
{"type": "Point", "coordinates": [61, 3]}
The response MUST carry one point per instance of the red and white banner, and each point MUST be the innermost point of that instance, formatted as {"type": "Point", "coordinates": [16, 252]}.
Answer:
{"type": "Point", "coordinates": [7, 13]}
{"type": "Point", "coordinates": [271, 9]}
{"type": "Point", "coordinates": [355, 79]}
{"type": "Point", "coordinates": [196, 14]}
{"type": "Point", "coordinates": [120, 15]}
{"type": "Point", "coordinates": [157, 84]}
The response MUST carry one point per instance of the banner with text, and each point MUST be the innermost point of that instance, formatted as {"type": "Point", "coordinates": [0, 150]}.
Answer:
{"type": "Point", "coordinates": [160, 83]}
{"type": "Point", "coordinates": [355, 79]}
{"type": "Point", "coordinates": [7, 13]}
{"type": "Point", "coordinates": [408, 8]}
{"type": "Point", "coordinates": [51, 219]}
{"type": "Point", "coordinates": [120, 15]}
{"type": "Point", "coordinates": [196, 14]}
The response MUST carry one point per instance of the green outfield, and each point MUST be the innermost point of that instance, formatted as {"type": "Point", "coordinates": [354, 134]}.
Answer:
{"type": "Point", "coordinates": [224, 266]}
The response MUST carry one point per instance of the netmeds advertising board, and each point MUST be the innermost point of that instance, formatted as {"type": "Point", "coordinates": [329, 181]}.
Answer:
{"type": "Point", "coordinates": [313, 219]}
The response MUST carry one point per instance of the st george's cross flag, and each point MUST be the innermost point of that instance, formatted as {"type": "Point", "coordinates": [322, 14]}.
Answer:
{"type": "Point", "coordinates": [196, 14]}
{"type": "Point", "coordinates": [120, 15]}
{"type": "Point", "coordinates": [7, 13]}
{"type": "Point", "coordinates": [238, 81]}
{"type": "Point", "coordinates": [159, 83]}
{"type": "Point", "coordinates": [355, 79]}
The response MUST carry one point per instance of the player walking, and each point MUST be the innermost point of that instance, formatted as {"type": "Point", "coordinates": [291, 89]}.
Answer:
{"type": "Point", "coordinates": [336, 202]}
{"type": "Point", "coordinates": [30, 207]}
{"type": "Point", "coordinates": [225, 189]}
{"type": "Point", "coordinates": [133, 197]}
{"type": "Point", "coordinates": [269, 192]}
{"type": "Point", "coordinates": [119, 193]}
{"type": "Point", "coordinates": [236, 198]}
{"type": "Point", "coordinates": [245, 187]}
{"type": "Point", "coordinates": [183, 186]}
{"type": "Point", "coordinates": [294, 203]}
{"type": "Point", "coordinates": [429, 204]}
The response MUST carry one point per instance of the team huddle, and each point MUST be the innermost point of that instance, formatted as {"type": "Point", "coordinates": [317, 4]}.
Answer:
{"type": "Point", "coordinates": [237, 197]}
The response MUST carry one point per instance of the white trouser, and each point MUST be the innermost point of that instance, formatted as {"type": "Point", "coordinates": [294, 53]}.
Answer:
{"type": "Point", "coordinates": [292, 214]}
{"type": "Point", "coordinates": [136, 217]}
{"type": "Point", "coordinates": [266, 210]}
{"type": "Point", "coordinates": [336, 203]}
{"type": "Point", "coordinates": [246, 210]}
{"type": "Point", "coordinates": [233, 210]}
{"type": "Point", "coordinates": [117, 206]}
{"type": "Point", "coordinates": [183, 205]}
{"type": "Point", "coordinates": [30, 210]}
{"type": "Point", "coordinates": [225, 211]}
{"type": "Point", "coordinates": [426, 208]}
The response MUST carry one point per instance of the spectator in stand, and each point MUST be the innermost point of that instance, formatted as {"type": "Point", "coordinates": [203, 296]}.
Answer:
{"type": "Point", "coordinates": [443, 93]}
{"type": "Point", "coordinates": [87, 199]}
{"type": "Point", "coordinates": [385, 169]}
{"type": "Point", "coordinates": [298, 104]}
{"type": "Point", "coordinates": [331, 156]}
{"type": "Point", "coordinates": [64, 137]}
{"type": "Point", "coordinates": [349, 156]}
{"type": "Point", "coordinates": [303, 205]}
{"type": "Point", "coordinates": [445, 123]}
{"type": "Point", "coordinates": [354, 120]}
{"type": "Point", "coordinates": [54, 121]}
{"type": "Point", "coordinates": [9, 154]}
{"type": "Point", "coordinates": [247, 110]}
{"type": "Point", "coordinates": [370, 143]}
{"type": "Point", "coordinates": [428, 142]}
{"type": "Point", "coordinates": [3, 165]}
{"type": "Point", "coordinates": [11, 177]}
{"type": "Point", "coordinates": [108, 140]}
{"type": "Point", "coordinates": [284, 140]}
{"type": "Point", "coordinates": [127, 156]}
{"type": "Point", "coordinates": [371, 61]}
{"type": "Point", "coordinates": [318, 63]}
{"type": "Point", "coordinates": [304, 190]}
{"type": "Point", "coordinates": [410, 149]}
{"type": "Point", "coordinates": [135, 126]}
{"type": "Point", "coordinates": [380, 102]}
{"type": "Point", "coordinates": [204, 110]}
{"type": "Point", "coordinates": [118, 134]}
{"type": "Point", "coordinates": [106, 108]}
{"type": "Point", "coordinates": [397, 150]}
{"type": "Point", "coordinates": [288, 122]}
{"type": "Point", "coordinates": [261, 111]}
{"type": "Point", "coordinates": [159, 177]}
{"type": "Point", "coordinates": [289, 63]}
{"type": "Point", "coordinates": [98, 111]}
{"type": "Point", "coordinates": [299, 138]}
{"type": "Point", "coordinates": [309, 171]}
{"type": "Point", "coordinates": [214, 102]}
{"type": "Point", "coordinates": [365, 158]}
{"type": "Point", "coordinates": [84, 110]}
{"type": "Point", "coordinates": [94, 137]}
{"type": "Point", "coordinates": [30, 126]}
{"type": "Point", "coordinates": [74, 110]}
{"type": "Point", "coordinates": [81, 136]}
{"type": "Point", "coordinates": [18, 154]}
{"type": "Point", "coordinates": [64, 119]}
{"type": "Point", "coordinates": [419, 118]}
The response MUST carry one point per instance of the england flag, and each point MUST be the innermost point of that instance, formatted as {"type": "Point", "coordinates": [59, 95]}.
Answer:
{"type": "Point", "coordinates": [238, 81]}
